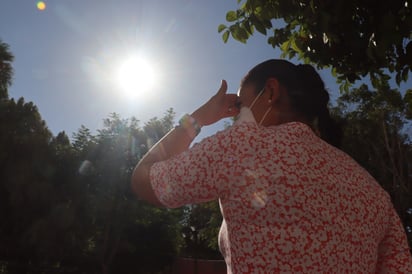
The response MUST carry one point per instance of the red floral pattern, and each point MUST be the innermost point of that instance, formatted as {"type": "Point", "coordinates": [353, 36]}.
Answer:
{"type": "Point", "coordinates": [291, 203]}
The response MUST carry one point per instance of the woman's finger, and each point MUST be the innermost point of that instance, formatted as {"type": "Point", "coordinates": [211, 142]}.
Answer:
{"type": "Point", "coordinates": [223, 87]}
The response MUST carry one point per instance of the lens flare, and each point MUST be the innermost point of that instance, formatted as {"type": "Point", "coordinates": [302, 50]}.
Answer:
{"type": "Point", "coordinates": [41, 5]}
{"type": "Point", "coordinates": [85, 168]}
{"type": "Point", "coordinates": [259, 199]}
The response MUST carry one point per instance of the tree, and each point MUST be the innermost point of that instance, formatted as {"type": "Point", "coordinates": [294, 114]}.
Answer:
{"type": "Point", "coordinates": [25, 185]}
{"type": "Point", "coordinates": [375, 134]}
{"type": "Point", "coordinates": [6, 70]}
{"type": "Point", "coordinates": [61, 215]}
{"type": "Point", "coordinates": [201, 224]}
{"type": "Point", "coordinates": [129, 236]}
{"type": "Point", "coordinates": [354, 38]}
{"type": "Point", "coordinates": [83, 140]}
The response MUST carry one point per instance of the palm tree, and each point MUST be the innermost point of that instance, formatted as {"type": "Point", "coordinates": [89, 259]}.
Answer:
{"type": "Point", "coordinates": [6, 70]}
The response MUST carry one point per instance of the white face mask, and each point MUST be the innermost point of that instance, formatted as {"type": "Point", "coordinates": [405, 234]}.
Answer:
{"type": "Point", "coordinates": [246, 115]}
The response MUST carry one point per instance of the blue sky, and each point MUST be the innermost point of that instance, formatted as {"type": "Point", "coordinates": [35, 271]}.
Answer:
{"type": "Point", "coordinates": [65, 56]}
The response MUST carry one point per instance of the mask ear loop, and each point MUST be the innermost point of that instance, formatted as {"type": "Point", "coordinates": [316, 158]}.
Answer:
{"type": "Point", "coordinates": [264, 115]}
{"type": "Point", "coordinates": [253, 103]}
{"type": "Point", "coordinates": [257, 97]}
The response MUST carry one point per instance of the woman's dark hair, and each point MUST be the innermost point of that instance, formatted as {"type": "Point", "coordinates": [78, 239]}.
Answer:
{"type": "Point", "coordinates": [306, 91]}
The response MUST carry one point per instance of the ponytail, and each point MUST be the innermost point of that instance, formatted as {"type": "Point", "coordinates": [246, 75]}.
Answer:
{"type": "Point", "coordinates": [313, 100]}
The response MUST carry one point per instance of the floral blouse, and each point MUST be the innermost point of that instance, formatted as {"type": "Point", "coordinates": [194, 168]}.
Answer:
{"type": "Point", "coordinates": [291, 203]}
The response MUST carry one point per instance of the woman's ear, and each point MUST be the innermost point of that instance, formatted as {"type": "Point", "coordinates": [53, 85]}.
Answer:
{"type": "Point", "coordinates": [273, 86]}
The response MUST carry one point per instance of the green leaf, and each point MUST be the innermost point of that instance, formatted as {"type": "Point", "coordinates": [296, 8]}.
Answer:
{"type": "Point", "coordinates": [405, 74]}
{"type": "Point", "coordinates": [346, 86]}
{"type": "Point", "coordinates": [341, 89]}
{"type": "Point", "coordinates": [239, 33]}
{"type": "Point", "coordinates": [374, 80]}
{"type": "Point", "coordinates": [247, 27]}
{"type": "Point", "coordinates": [408, 103]}
{"type": "Point", "coordinates": [231, 16]}
{"type": "Point", "coordinates": [294, 46]}
{"type": "Point", "coordinates": [398, 78]}
{"type": "Point", "coordinates": [408, 49]}
{"type": "Point", "coordinates": [271, 41]}
{"type": "Point", "coordinates": [267, 24]}
{"type": "Point", "coordinates": [334, 73]}
{"type": "Point", "coordinates": [221, 27]}
{"type": "Point", "coordinates": [292, 54]}
{"type": "Point", "coordinates": [285, 46]}
{"type": "Point", "coordinates": [258, 25]}
{"type": "Point", "coordinates": [243, 35]}
{"type": "Point", "coordinates": [312, 6]}
{"type": "Point", "coordinates": [225, 36]}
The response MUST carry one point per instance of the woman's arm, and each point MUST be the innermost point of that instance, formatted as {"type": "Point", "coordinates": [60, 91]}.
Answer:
{"type": "Point", "coordinates": [221, 105]}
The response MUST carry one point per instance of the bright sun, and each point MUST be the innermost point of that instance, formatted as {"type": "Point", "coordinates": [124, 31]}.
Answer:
{"type": "Point", "coordinates": [135, 76]}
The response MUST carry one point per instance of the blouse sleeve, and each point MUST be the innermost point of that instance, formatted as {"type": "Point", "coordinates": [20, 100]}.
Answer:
{"type": "Point", "coordinates": [194, 176]}
{"type": "Point", "coordinates": [394, 254]}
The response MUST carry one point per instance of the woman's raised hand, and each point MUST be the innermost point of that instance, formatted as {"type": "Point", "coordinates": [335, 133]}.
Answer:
{"type": "Point", "coordinates": [221, 105]}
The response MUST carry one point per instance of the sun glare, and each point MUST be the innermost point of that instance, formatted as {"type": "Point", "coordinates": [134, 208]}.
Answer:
{"type": "Point", "coordinates": [135, 76]}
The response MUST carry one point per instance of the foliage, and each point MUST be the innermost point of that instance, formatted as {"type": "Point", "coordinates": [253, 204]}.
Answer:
{"type": "Point", "coordinates": [376, 125]}
{"type": "Point", "coordinates": [354, 38]}
{"type": "Point", "coordinates": [119, 146]}
{"type": "Point", "coordinates": [69, 207]}
{"type": "Point", "coordinates": [201, 224]}
{"type": "Point", "coordinates": [6, 70]}
{"type": "Point", "coordinates": [27, 176]}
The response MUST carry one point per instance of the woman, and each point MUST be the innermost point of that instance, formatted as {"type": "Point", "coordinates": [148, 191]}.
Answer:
{"type": "Point", "coordinates": [291, 201]}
